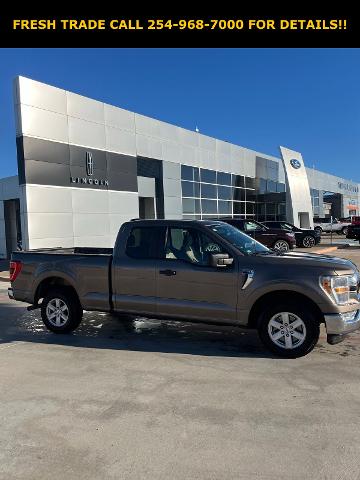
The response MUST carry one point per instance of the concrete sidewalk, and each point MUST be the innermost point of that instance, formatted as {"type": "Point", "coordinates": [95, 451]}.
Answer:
{"type": "Point", "coordinates": [4, 270]}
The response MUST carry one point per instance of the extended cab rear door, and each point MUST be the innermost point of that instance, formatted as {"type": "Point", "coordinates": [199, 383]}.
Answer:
{"type": "Point", "coordinates": [134, 269]}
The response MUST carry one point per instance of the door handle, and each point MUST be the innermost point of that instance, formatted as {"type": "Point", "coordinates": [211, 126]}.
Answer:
{"type": "Point", "coordinates": [168, 273]}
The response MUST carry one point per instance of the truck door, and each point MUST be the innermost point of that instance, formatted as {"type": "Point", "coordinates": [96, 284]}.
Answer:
{"type": "Point", "coordinates": [187, 286]}
{"type": "Point", "coordinates": [134, 267]}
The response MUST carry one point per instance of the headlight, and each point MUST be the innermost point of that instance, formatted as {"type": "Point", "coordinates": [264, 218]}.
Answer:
{"type": "Point", "coordinates": [342, 289]}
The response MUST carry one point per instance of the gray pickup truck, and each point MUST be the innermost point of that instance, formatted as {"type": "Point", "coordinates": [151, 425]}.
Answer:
{"type": "Point", "coordinates": [205, 271]}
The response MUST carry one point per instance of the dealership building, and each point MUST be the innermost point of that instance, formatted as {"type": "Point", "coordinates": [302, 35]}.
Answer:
{"type": "Point", "coordinates": [85, 167]}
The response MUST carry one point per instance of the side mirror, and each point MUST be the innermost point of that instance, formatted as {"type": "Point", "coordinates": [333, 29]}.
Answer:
{"type": "Point", "coordinates": [220, 260]}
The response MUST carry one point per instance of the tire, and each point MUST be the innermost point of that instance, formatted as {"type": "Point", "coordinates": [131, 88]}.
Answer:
{"type": "Point", "coordinates": [344, 230]}
{"type": "Point", "coordinates": [281, 246]}
{"type": "Point", "coordinates": [308, 241]}
{"type": "Point", "coordinates": [289, 345]}
{"type": "Point", "coordinates": [65, 302]}
{"type": "Point", "coordinates": [318, 229]}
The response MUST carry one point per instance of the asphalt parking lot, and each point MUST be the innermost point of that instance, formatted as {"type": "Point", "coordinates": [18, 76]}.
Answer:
{"type": "Point", "coordinates": [162, 400]}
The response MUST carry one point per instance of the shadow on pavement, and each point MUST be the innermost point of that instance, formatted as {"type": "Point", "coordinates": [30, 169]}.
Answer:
{"type": "Point", "coordinates": [104, 331]}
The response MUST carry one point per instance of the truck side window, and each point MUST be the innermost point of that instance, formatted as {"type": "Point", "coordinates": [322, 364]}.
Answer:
{"type": "Point", "coordinates": [143, 243]}
{"type": "Point", "coordinates": [190, 245]}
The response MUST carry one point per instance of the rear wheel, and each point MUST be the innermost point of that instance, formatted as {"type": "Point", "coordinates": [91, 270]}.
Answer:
{"type": "Point", "coordinates": [288, 330]}
{"type": "Point", "coordinates": [308, 241]}
{"type": "Point", "coordinates": [61, 311]}
{"type": "Point", "coordinates": [344, 230]}
{"type": "Point", "coordinates": [281, 246]}
{"type": "Point", "coordinates": [318, 230]}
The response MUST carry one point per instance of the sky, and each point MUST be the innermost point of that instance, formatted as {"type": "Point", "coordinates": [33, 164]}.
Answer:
{"type": "Point", "coordinates": [305, 99]}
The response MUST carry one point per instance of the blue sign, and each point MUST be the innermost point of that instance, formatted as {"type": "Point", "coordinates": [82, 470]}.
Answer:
{"type": "Point", "coordinates": [295, 163]}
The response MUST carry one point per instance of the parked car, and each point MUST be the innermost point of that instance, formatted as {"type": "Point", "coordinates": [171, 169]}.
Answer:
{"type": "Point", "coordinates": [275, 238]}
{"type": "Point", "coordinates": [326, 225]}
{"type": "Point", "coordinates": [354, 232]}
{"type": "Point", "coordinates": [306, 238]}
{"type": "Point", "coordinates": [187, 270]}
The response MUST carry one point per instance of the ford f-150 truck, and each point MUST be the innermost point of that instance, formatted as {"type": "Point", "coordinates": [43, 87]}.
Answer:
{"type": "Point", "coordinates": [189, 270]}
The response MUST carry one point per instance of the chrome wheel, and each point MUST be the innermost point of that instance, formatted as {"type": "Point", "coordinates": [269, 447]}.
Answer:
{"type": "Point", "coordinates": [57, 312]}
{"type": "Point", "coordinates": [287, 330]}
{"type": "Point", "coordinates": [281, 246]}
{"type": "Point", "coordinates": [308, 241]}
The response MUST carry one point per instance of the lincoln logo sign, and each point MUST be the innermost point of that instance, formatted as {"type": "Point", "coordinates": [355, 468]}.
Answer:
{"type": "Point", "coordinates": [295, 163]}
{"type": "Point", "coordinates": [89, 164]}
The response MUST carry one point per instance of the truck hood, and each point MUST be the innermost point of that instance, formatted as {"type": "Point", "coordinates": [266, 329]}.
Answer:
{"type": "Point", "coordinates": [339, 265]}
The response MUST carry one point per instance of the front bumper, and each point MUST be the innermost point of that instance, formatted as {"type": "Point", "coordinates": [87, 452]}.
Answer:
{"type": "Point", "coordinates": [338, 324]}
{"type": "Point", "coordinates": [11, 293]}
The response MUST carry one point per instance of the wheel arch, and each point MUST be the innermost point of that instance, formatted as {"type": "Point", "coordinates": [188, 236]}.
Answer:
{"type": "Point", "coordinates": [53, 282]}
{"type": "Point", "coordinates": [275, 297]}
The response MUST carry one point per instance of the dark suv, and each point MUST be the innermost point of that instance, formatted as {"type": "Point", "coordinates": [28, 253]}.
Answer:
{"type": "Point", "coordinates": [275, 238]}
{"type": "Point", "coordinates": [305, 238]}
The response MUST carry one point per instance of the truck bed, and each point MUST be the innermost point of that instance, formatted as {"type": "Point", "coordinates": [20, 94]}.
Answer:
{"type": "Point", "coordinates": [86, 269]}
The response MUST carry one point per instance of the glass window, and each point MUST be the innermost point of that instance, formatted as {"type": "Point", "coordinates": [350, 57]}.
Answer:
{"type": "Point", "coordinates": [262, 185]}
{"type": "Point", "coordinates": [280, 187]}
{"type": "Point", "coordinates": [190, 205]}
{"type": "Point", "coordinates": [224, 208]}
{"type": "Point", "coordinates": [223, 178]}
{"type": "Point", "coordinates": [238, 181]}
{"type": "Point", "coordinates": [143, 242]}
{"type": "Point", "coordinates": [271, 186]}
{"type": "Point", "coordinates": [249, 182]}
{"type": "Point", "coordinates": [270, 209]}
{"type": "Point", "coordinates": [190, 189]}
{"type": "Point", "coordinates": [190, 245]}
{"type": "Point", "coordinates": [238, 239]}
{"type": "Point", "coordinates": [252, 226]}
{"type": "Point", "coordinates": [196, 174]}
{"type": "Point", "coordinates": [250, 208]}
{"type": "Point", "coordinates": [208, 176]}
{"type": "Point", "coordinates": [239, 194]}
{"type": "Point", "coordinates": [187, 189]}
{"type": "Point", "coordinates": [239, 208]}
{"type": "Point", "coordinates": [209, 206]}
{"type": "Point", "coordinates": [187, 173]}
{"type": "Point", "coordinates": [224, 193]}
{"type": "Point", "coordinates": [208, 191]}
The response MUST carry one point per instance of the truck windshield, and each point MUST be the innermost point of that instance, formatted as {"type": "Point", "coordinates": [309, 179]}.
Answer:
{"type": "Point", "coordinates": [241, 241]}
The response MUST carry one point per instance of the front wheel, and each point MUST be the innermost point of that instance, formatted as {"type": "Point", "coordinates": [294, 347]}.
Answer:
{"type": "Point", "coordinates": [281, 246]}
{"type": "Point", "coordinates": [308, 241]}
{"type": "Point", "coordinates": [61, 311]}
{"type": "Point", "coordinates": [289, 330]}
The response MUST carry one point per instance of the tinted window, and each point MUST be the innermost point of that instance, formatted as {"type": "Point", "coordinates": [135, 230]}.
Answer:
{"type": "Point", "coordinates": [190, 245]}
{"type": "Point", "coordinates": [239, 240]}
{"type": "Point", "coordinates": [143, 242]}
{"type": "Point", "coordinates": [249, 182]}
{"type": "Point", "coordinates": [209, 206]}
{"type": "Point", "coordinates": [191, 205]}
{"type": "Point", "coordinates": [187, 173]}
{"type": "Point", "coordinates": [224, 193]}
{"type": "Point", "coordinates": [252, 226]}
{"type": "Point", "coordinates": [224, 178]}
{"type": "Point", "coordinates": [208, 176]}
{"type": "Point", "coordinates": [224, 208]}
{"type": "Point", "coordinates": [208, 191]}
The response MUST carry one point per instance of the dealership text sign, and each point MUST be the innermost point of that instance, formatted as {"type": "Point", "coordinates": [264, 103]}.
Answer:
{"type": "Point", "coordinates": [182, 24]}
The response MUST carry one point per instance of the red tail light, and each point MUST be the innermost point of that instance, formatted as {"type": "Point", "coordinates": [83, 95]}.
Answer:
{"type": "Point", "coordinates": [15, 268]}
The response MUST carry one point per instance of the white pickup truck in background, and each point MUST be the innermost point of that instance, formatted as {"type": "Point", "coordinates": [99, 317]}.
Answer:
{"type": "Point", "coordinates": [331, 225]}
